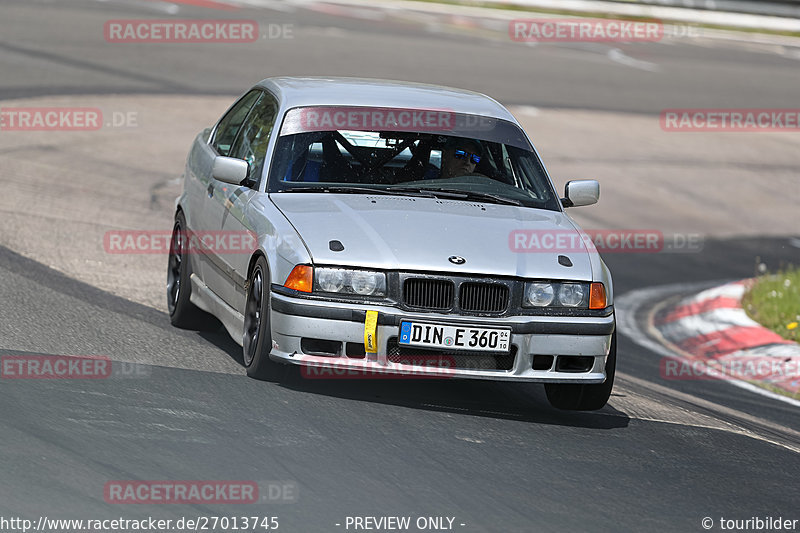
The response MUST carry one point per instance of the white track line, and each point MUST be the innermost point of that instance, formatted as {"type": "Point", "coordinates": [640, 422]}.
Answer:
{"type": "Point", "coordinates": [160, 7]}
{"type": "Point", "coordinates": [618, 56]}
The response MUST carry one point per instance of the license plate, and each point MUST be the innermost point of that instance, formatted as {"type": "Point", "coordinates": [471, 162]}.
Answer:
{"type": "Point", "coordinates": [424, 334]}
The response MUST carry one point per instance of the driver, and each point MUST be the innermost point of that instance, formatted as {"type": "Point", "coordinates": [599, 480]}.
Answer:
{"type": "Point", "coordinates": [459, 157]}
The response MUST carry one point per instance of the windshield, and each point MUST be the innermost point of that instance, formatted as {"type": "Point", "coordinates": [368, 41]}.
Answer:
{"type": "Point", "coordinates": [440, 155]}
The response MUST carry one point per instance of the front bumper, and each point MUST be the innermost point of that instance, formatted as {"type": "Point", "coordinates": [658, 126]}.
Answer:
{"type": "Point", "coordinates": [293, 319]}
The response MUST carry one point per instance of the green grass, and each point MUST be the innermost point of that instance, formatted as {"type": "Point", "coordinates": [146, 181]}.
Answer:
{"type": "Point", "coordinates": [777, 390]}
{"type": "Point", "coordinates": [774, 302]}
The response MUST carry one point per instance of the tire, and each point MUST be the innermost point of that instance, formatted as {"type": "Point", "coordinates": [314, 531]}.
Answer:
{"type": "Point", "coordinates": [182, 312]}
{"type": "Point", "coordinates": [576, 397]}
{"type": "Point", "coordinates": [257, 340]}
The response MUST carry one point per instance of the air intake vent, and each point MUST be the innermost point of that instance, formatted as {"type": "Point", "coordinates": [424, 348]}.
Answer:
{"type": "Point", "coordinates": [428, 293]}
{"type": "Point", "coordinates": [443, 359]}
{"type": "Point", "coordinates": [484, 297]}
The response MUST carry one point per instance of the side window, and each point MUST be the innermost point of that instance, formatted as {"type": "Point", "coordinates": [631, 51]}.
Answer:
{"type": "Point", "coordinates": [255, 133]}
{"type": "Point", "coordinates": [230, 123]}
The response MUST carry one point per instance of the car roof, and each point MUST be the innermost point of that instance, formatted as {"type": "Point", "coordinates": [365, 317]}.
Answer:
{"type": "Point", "coordinates": [367, 92]}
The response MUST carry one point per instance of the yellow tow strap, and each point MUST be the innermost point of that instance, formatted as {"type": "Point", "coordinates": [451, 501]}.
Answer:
{"type": "Point", "coordinates": [371, 332]}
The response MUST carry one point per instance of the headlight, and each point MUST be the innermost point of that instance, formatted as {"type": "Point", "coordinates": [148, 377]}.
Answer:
{"type": "Point", "coordinates": [539, 294]}
{"type": "Point", "coordinates": [556, 294]}
{"type": "Point", "coordinates": [346, 281]}
{"type": "Point", "coordinates": [364, 282]}
{"type": "Point", "coordinates": [329, 280]}
{"type": "Point", "coordinates": [571, 294]}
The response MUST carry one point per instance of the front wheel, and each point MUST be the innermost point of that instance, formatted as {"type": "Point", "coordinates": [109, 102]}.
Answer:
{"type": "Point", "coordinates": [182, 312]}
{"type": "Point", "coordinates": [576, 397]}
{"type": "Point", "coordinates": [257, 340]}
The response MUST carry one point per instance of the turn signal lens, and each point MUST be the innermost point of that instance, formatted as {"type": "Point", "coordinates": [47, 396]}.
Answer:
{"type": "Point", "coordinates": [597, 296]}
{"type": "Point", "coordinates": [300, 278]}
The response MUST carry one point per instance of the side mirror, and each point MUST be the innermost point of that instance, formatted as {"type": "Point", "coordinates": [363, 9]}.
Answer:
{"type": "Point", "coordinates": [581, 192]}
{"type": "Point", "coordinates": [230, 170]}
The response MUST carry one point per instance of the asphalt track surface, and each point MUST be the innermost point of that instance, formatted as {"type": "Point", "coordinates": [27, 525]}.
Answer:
{"type": "Point", "coordinates": [496, 457]}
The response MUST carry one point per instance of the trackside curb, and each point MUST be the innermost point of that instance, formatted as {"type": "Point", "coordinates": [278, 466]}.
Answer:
{"type": "Point", "coordinates": [713, 333]}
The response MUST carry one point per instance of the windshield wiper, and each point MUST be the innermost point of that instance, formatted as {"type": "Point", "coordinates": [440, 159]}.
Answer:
{"type": "Point", "coordinates": [475, 195]}
{"type": "Point", "coordinates": [410, 191]}
{"type": "Point", "coordinates": [462, 195]}
{"type": "Point", "coordinates": [345, 189]}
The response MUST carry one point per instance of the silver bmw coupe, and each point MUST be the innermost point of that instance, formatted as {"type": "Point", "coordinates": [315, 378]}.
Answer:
{"type": "Point", "coordinates": [390, 228]}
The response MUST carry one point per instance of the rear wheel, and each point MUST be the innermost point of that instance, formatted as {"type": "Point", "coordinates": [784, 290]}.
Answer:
{"type": "Point", "coordinates": [576, 397]}
{"type": "Point", "coordinates": [257, 341]}
{"type": "Point", "coordinates": [182, 312]}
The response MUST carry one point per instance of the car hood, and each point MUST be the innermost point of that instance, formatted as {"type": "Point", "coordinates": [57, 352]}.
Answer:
{"type": "Point", "coordinates": [420, 234]}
